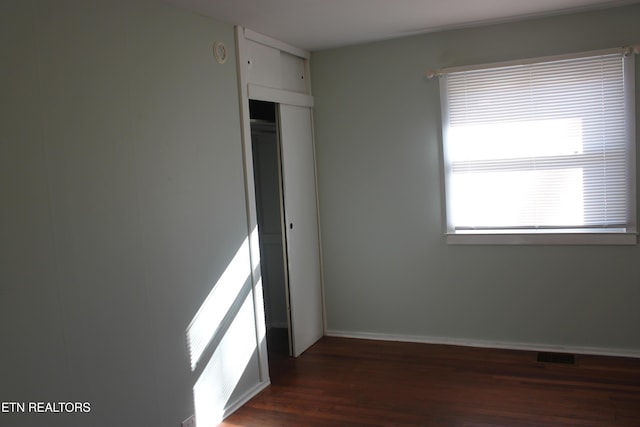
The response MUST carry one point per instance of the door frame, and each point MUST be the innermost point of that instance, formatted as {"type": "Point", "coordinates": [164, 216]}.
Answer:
{"type": "Point", "coordinates": [279, 95]}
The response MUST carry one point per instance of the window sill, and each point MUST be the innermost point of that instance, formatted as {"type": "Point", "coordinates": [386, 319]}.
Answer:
{"type": "Point", "coordinates": [542, 239]}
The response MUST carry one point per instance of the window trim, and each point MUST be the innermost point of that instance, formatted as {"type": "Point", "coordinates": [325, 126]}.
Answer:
{"type": "Point", "coordinates": [546, 236]}
{"type": "Point", "coordinates": [626, 238]}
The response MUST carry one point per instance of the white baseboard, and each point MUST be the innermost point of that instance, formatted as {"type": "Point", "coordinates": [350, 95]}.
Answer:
{"type": "Point", "coordinates": [596, 351]}
{"type": "Point", "coordinates": [246, 397]}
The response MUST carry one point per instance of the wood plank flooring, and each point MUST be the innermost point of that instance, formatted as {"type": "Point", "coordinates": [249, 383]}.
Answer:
{"type": "Point", "coordinates": [343, 382]}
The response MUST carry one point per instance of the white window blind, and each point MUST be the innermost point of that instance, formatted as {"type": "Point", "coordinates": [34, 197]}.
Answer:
{"type": "Point", "coordinates": [540, 147]}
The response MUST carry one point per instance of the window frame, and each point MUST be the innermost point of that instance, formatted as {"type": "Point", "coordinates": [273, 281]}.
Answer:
{"type": "Point", "coordinates": [551, 236]}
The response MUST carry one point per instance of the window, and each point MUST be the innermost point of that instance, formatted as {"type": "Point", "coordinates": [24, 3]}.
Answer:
{"type": "Point", "coordinates": [541, 152]}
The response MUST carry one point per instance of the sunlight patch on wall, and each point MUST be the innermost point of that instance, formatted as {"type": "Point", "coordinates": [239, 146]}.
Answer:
{"type": "Point", "coordinates": [225, 368]}
{"type": "Point", "coordinates": [218, 303]}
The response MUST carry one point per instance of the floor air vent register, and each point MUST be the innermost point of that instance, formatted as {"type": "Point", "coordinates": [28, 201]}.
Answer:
{"type": "Point", "coordinates": [558, 358]}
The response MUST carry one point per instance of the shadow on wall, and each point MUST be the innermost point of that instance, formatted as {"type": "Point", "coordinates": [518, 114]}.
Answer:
{"type": "Point", "coordinates": [222, 336]}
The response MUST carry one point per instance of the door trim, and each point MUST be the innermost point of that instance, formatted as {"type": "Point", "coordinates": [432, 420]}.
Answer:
{"type": "Point", "coordinates": [252, 212]}
{"type": "Point", "coordinates": [279, 96]}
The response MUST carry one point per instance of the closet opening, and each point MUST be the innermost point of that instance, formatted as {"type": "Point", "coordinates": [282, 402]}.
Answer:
{"type": "Point", "coordinates": [267, 172]}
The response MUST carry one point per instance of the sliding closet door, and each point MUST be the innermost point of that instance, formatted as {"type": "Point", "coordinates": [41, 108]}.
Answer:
{"type": "Point", "coordinates": [301, 216]}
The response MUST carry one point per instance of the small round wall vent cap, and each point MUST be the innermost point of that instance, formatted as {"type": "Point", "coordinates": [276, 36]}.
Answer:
{"type": "Point", "coordinates": [220, 52]}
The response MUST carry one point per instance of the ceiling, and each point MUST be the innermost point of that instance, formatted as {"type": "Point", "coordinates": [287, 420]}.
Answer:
{"type": "Point", "coordinates": [322, 24]}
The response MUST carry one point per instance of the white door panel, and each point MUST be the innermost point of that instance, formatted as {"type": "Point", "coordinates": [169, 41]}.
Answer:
{"type": "Point", "coordinates": [301, 216]}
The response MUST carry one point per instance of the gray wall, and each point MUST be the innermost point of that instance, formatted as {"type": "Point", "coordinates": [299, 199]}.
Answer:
{"type": "Point", "coordinates": [387, 267]}
{"type": "Point", "coordinates": [121, 203]}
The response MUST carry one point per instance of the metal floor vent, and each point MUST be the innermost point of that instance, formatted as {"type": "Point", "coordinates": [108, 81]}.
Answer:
{"type": "Point", "coordinates": [562, 358]}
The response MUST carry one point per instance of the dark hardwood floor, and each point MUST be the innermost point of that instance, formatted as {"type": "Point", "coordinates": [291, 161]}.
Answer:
{"type": "Point", "coordinates": [346, 382]}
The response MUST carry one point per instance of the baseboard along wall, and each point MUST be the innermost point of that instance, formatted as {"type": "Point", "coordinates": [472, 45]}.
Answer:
{"type": "Point", "coordinates": [596, 351]}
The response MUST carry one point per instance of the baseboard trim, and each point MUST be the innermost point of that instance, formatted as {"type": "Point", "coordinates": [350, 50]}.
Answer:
{"type": "Point", "coordinates": [246, 397]}
{"type": "Point", "coordinates": [596, 351]}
